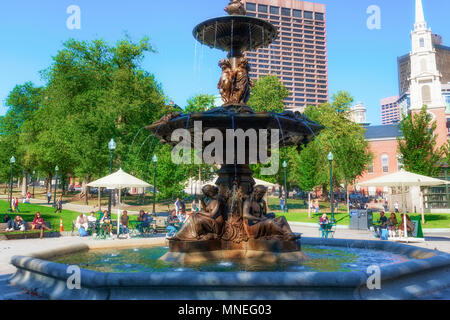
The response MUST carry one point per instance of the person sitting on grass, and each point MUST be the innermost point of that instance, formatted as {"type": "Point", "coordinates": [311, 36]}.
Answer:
{"type": "Point", "coordinates": [124, 219]}
{"type": "Point", "coordinates": [16, 225]}
{"type": "Point", "coordinates": [105, 222]}
{"type": "Point", "coordinates": [6, 218]}
{"type": "Point", "coordinates": [39, 224]}
{"type": "Point", "coordinates": [82, 225]}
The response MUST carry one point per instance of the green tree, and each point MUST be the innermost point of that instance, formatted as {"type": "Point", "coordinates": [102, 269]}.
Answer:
{"type": "Point", "coordinates": [418, 147]}
{"type": "Point", "coordinates": [22, 102]}
{"type": "Point", "coordinates": [341, 136]}
{"type": "Point", "coordinates": [268, 94]}
{"type": "Point", "coordinates": [200, 103]}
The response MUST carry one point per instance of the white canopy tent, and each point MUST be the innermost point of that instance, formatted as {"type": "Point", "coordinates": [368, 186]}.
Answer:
{"type": "Point", "coordinates": [404, 179]}
{"type": "Point", "coordinates": [119, 180]}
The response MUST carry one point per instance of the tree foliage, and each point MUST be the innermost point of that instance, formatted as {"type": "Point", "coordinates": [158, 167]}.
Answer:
{"type": "Point", "coordinates": [268, 94]}
{"type": "Point", "coordinates": [418, 148]}
{"type": "Point", "coordinates": [341, 136]}
{"type": "Point", "coordinates": [200, 103]}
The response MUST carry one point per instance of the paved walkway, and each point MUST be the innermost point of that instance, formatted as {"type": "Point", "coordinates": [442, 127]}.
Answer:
{"type": "Point", "coordinates": [71, 206]}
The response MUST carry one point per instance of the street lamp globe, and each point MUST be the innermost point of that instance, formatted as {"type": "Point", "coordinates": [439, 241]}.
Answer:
{"type": "Point", "coordinates": [155, 158]}
{"type": "Point", "coordinates": [112, 145]}
{"type": "Point", "coordinates": [12, 160]}
{"type": "Point", "coordinates": [285, 164]}
{"type": "Point", "coordinates": [56, 168]}
{"type": "Point", "coordinates": [330, 157]}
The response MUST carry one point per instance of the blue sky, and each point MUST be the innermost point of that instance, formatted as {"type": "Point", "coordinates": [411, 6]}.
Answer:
{"type": "Point", "coordinates": [361, 61]}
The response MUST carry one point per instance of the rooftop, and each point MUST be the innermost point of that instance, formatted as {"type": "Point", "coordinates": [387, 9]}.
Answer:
{"type": "Point", "coordinates": [388, 131]}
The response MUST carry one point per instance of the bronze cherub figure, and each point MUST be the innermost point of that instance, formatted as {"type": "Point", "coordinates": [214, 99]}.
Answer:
{"type": "Point", "coordinates": [235, 7]}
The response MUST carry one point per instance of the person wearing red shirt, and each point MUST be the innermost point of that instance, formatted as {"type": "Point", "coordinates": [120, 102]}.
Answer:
{"type": "Point", "coordinates": [39, 224]}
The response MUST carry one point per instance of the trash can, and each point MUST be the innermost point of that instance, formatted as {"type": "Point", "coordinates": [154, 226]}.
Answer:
{"type": "Point", "coordinates": [354, 219]}
{"type": "Point", "coordinates": [361, 219]}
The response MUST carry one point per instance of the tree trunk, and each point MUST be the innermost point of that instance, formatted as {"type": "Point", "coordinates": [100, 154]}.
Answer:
{"type": "Point", "coordinates": [24, 184]}
{"type": "Point", "coordinates": [49, 183]}
{"type": "Point", "coordinates": [348, 200]}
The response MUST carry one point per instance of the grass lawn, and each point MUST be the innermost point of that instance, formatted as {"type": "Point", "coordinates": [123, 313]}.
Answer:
{"type": "Point", "coordinates": [27, 212]}
{"type": "Point", "coordinates": [298, 213]}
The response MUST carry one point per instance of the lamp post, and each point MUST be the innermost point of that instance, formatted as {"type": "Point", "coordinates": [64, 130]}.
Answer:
{"type": "Point", "coordinates": [56, 183]}
{"type": "Point", "coordinates": [285, 187]}
{"type": "Point", "coordinates": [330, 160]}
{"type": "Point", "coordinates": [155, 160]}
{"type": "Point", "coordinates": [34, 181]}
{"type": "Point", "coordinates": [111, 146]}
{"type": "Point", "coordinates": [12, 161]}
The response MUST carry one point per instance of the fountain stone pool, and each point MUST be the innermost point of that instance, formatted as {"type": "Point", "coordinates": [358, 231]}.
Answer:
{"type": "Point", "coordinates": [336, 269]}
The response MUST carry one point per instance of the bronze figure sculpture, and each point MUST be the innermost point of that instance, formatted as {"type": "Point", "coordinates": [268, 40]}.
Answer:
{"type": "Point", "coordinates": [258, 225]}
{"type": "Point", "coordinates": [226, 82]}
{"type": "Point", "coordinates": [235, 7]}
{"type": "Point", "coordinates": [234, 84]}
{"type": "Point", "coordinates": [241, 91]}
{"type": "Point", "coordinates": [234, 221]}
{"type": "Point", "coordinates": [206, 224]}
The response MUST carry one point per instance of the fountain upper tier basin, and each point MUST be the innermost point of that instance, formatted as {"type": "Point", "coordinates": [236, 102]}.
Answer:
{"type": "Point", "coordinates": [295, 129]}
{"type": "Point", "coordinates": [235, 32]}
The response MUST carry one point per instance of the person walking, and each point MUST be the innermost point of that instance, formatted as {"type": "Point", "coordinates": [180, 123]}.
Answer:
{"type": "Point", "coordinates": [16, 204]}
{"type": "Point", "coordinates": [49, 197]}
{"type": "Point", "coordinates": [59, 205]}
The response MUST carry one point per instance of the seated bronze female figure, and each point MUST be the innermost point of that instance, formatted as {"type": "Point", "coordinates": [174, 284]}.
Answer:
{"type": "Point", "coordinates": [206, 224]}
{"type": "Point", "coordinates": [258, 225]}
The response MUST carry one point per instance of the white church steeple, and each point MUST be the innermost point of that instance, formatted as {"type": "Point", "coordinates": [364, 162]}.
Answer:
{"type": "Point", "coordinates": [425, 82]}
{"type": "Point", "coordinates": [420, 17]}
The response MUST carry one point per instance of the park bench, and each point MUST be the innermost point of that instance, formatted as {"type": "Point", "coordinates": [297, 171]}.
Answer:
{"type": "Point", "coordinates": [159, 224]}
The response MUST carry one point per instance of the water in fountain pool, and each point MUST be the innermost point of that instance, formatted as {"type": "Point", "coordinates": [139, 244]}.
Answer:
{"type": "Point", "coordinates": [322, 259]}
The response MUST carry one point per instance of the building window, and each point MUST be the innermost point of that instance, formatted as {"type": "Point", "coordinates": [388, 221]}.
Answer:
{"type": "Point", "coordinates": [308, 15]}
{"type": "Point", "coordinates": [399, 162]}
{"type": "Point", "coordinates": [297, 13]}
{"type": "Point", "coordinates": [285, 12]}
{"type": "Point", "coordinates": [274, 10]}
{"type": "Point", "coordinates": [251, 6]}
{"type": "Point", "coordinates": [385, 163]}
{"type": "Point", "coordinates": [422, 42]}
{"type": "Point", "coordinates": [262, 8]}
{"type": "Point", "coordinates": [319, 16]}
{"type": "Point", "coordinates": [426, 94]}
{"type": "Point", "coordinates": [370, 168]}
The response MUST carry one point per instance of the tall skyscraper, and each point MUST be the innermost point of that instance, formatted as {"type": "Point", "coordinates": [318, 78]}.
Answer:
{"type": "Point", "coordinates": [299, 55]}
{"type": "Point", "coordinates": [390, 110]}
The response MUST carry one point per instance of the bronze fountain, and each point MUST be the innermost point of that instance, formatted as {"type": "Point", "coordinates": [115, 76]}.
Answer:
{"type": "Point", "coordinates": [234, 222]}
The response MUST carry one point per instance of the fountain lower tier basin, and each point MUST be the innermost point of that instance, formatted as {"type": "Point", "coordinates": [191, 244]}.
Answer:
{"type": "Point", "coordinates": [258, 251]}
{"type": "Point", "coordinates": [422, 273]}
